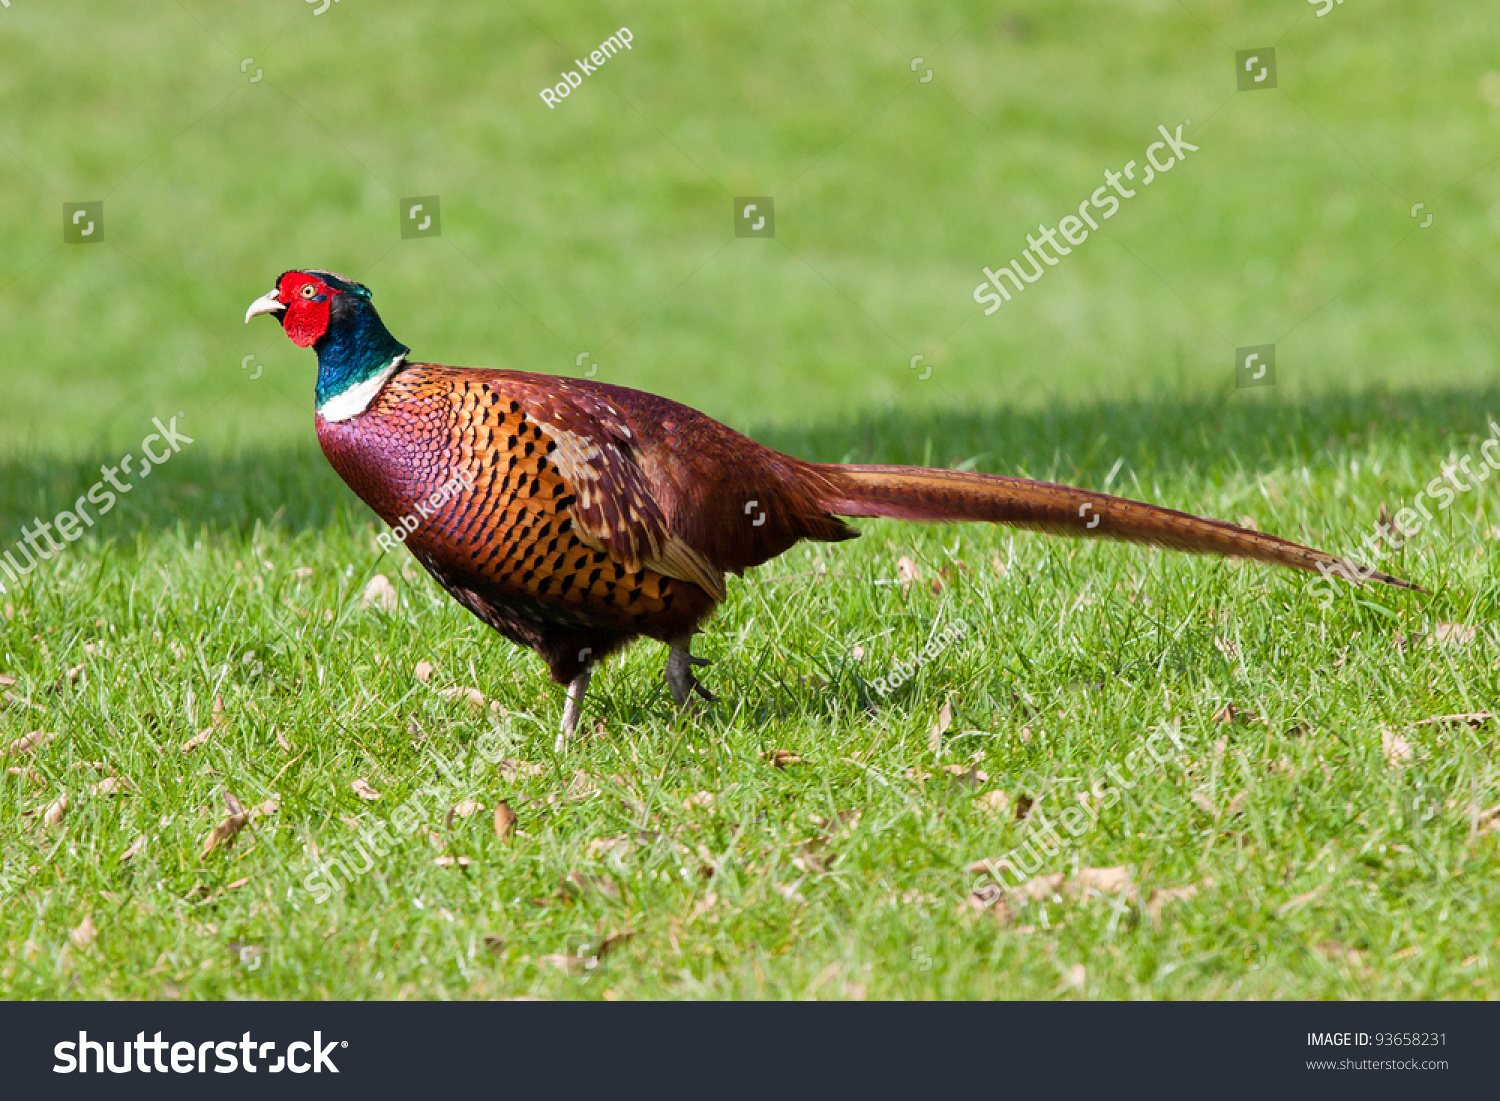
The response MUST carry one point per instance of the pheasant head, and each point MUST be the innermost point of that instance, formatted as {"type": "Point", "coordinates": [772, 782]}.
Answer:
{"type": "Point", "coordinates": [333, 315]}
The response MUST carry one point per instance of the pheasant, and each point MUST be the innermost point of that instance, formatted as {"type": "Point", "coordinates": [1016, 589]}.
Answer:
{"type": "Point", "coordinates": [574, 517]}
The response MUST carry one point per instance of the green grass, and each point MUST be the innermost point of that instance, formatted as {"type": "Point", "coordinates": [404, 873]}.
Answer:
{"type": "Point", "coordinates": [236, 570]}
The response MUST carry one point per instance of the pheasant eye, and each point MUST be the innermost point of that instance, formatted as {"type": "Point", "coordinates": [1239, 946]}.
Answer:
{"type": "Point", "coordinates": [308, 290]}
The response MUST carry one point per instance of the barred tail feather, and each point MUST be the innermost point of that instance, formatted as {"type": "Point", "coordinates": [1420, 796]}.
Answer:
{"type": "Point", "coordinates": [918, 493]}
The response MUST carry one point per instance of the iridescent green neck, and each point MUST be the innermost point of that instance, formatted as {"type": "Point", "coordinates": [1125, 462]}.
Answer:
{"type": "Point", "coordinates": [356, 347]}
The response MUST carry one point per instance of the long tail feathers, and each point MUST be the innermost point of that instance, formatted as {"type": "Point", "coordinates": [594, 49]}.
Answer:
{"type": "Point", "coordinates": [918, 493]}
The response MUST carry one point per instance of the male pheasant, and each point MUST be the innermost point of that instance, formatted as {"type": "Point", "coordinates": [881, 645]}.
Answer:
{"type": "Point", "coordinates": [574, 517]}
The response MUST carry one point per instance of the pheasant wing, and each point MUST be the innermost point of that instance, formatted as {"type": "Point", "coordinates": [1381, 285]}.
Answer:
{"type": "Point", "coordinates": [615, 510]}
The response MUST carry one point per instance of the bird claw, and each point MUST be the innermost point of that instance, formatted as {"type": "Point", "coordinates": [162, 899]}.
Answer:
{"type": "Point", "coordinates": [680, 679]}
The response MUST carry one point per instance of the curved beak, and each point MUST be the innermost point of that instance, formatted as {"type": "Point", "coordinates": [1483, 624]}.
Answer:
{"type": "Point", "coordinates": [266, 303]}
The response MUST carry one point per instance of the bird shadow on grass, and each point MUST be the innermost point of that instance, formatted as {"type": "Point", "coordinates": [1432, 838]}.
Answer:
{"type": "Point", "coordinates": [293, 489]}
{"type": "Point", "coordinates": [1235, 433]}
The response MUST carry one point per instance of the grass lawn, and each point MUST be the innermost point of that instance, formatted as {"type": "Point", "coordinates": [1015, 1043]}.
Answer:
{"type": "Point", "coordinates": [1300, 832]}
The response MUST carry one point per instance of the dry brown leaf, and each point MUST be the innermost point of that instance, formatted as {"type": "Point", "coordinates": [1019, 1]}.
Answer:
{"type": "Point", "coordinates": [363, 789]}
{"type": "Point", "coordinates": [224, 833]}
{"type": "Point", "coordinates": [55, 811]}
{"type": "Point", "coordinates": [85, 934]}
{"type": "Point", "coordinates": [810, 863]}
{"type": "Point", "coordinates": [1161, 897]}
{"type": "Point", "coordinates": [286, 746]}
{"type": "Point", "coordinates": [111, 785]}
{"type": "Point", "coordinates": [613, 941]}
{"type": "Point", "coordinates": [1397, 749]}
{"type": "Point", "coordinates": [1332, 949]}
{"type": "Point", "coordinates": [494, 943]}
{"type": "Point", "coordinates": [1451, 634]}
{"type": "Point", "coordinates": [1004, 902]}
{"type": "Point", "coordinates": [1300, 900]}
{"type": "Point", "coordinates": [994, 801]}
{"type": "Point", "coordinates": [197, 739]}
{"type": "Point", "coordinates": [789, 892]}
{"type": "Point", "coordinates": [561, 961]}
{"type": "Point", "coordinates": [472, 696]}
{"type": "Point", "coordinates": [940, 727]}
{"type": "Point", "coordinates": [907, 571]}
{"type": "Point", "coordinates": [1486, 820]}
{"type": "Point", "coordinates": [453, 861]}
{"type": "Point", "coordinates": [135, 847]}
{"type": "Point", "coordinates": [35, 778]}
{"type": "Point", "coordinates": [838, 826]}
{"type": "Point", "coordinates": [513, 768]}
{"type": "Point", "coordinates": [505, 821]}
{"type": "Point", "coordinates": [702, 906]}
{"type": "Point", "coordinates": [1204, 803]}
{"type": "Point", "coordinates": [1111, 881]}
{"type": "Point", "coordinates": [581, 786]}
{"type": "Point", "coordinates": [1230, 714]}
{"type": "Point", "coordinates": [579, 883]}
{"type": "Point", "coordinates": [237, 884]}
{"type": "Point", "coordinates": [1040, 887]}
{"type": "Point", "coordinates": [380, 592]}
{"type": "Point", "coordinates": [780, 758]}
{"type": "Point", "coordinates": [603, 846]}
{"type": "Point", "coordinates": [30, 743]}
{"type": "Point", "coordinates": [857, 653]}
{"type": "Point", "coordinates": [1078, 976]}
{"type": "Point", "coordinates": [7, 679]}
{"type": "Point", "coordinates": [704, 799]}
{"type": "Point", "coordinates": [423, 671]}
{"type": "Point", "coordinates": [989, 897]}
{"type": "Point", "coordinates": [466, 808]}
{"type": "Point", "coordinates": [970, 776]}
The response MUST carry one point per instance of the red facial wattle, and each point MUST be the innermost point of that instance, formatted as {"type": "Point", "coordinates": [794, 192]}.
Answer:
{"type": "Point", "coordinates": [309, 303]}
